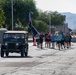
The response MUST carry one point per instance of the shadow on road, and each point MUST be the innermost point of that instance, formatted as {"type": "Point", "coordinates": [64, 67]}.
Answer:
{"type": "Point", "coordinates": [18, 57]}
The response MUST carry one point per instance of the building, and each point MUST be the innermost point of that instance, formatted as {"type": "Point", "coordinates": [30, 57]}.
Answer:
{"type": "Point", "coordinates": [63, 28]}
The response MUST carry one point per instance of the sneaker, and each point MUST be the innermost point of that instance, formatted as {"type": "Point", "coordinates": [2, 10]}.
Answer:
{"type": "Point", "coordinates": [52, 48]}
{"type": "Point", "coordinates": [67, 47]}
{"type": "Point", "coordinates": [61, 47]}
{"type": "Point", "coordinates": [41, 47]}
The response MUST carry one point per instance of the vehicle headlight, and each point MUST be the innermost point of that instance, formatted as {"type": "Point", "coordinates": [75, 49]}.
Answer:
{"type": "Point", "coordinates": [17, 44]}
{"type": "Point", "coordinates": [6, 44]}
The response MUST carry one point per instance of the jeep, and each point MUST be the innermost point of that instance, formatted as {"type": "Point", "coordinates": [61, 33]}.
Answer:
{"type": "Point", "coordinates": [15, 41]}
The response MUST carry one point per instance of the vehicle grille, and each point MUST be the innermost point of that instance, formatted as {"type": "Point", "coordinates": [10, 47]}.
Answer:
{"type": "Point", "coordinates": [11, 45]}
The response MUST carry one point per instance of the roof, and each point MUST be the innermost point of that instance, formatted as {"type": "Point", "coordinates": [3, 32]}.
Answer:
{"type": "Point", "coordinates": [16, 32]}
{"type": "Point", "coordinates": [70, 29]}
{"type": "Point", "coordinates": [2, 29]}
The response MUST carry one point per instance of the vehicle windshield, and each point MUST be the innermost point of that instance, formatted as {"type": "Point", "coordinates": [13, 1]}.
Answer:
{"type": "Point", "coordinates": [14, 36]}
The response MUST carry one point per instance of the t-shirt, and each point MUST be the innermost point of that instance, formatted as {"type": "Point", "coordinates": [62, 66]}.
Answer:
{"type": "Point", "coordinates": [59, 38]}
{"type": "Point", "coordinates": [48, 37]}
{"type": "Point", "coordinates": [53, 37]}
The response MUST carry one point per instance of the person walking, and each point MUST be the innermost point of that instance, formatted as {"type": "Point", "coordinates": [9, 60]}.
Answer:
{"type": "Point", "coordinates": [38, 40]}
{"type": "Point", "coordinates": [62, 40]}
{"type": "Point", "coordinates": [67, 40]}
{"type": "Point", "coordinates": [46, 40]}
{"type": "Point", "coordinates": [41, 40]}
{"type": "Point", "coordinates": [58, 39]}
{"type": "Point", "coordinates": [53, 37]}
{"type": "Point", "coordinates": [70, 40]}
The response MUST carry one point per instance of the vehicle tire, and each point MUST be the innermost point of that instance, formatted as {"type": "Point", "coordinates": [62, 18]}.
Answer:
{"type": "Point", "coordinates": [7, 54]}
{"type": "Point", "coordinates": [2, 52]}
{"type": "Point", "coordinates": [22, 52]}
{"type": "Point", "coordinates": [26, 53]}
{"type": "Point", "coordinates": [27, 47]}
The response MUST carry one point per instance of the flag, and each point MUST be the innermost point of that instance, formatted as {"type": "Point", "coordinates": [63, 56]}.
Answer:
{"type": "Point", "coordinates": [34, 31]}
{"type": "Point", "coordinates": [29, 23]}
{"type": "Point", "coordinates": [31, 27]}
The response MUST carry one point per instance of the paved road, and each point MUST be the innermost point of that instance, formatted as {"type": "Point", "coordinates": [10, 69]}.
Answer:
{"type": "Point", "coordinates": [41, 62]}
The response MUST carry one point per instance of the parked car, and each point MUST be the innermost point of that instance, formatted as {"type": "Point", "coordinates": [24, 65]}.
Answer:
{"type": "Point", "coordinates": [15, 41]}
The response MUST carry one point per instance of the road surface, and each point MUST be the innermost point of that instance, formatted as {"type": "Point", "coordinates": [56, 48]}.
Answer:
{"type": "Point", "coordinates": [40, 62]}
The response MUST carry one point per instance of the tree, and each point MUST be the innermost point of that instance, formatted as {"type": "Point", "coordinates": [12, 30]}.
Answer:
{"type": "Point", "coordinates": [21, 9]}
{"type": "Point", "coordinates": [2, 1]}
{"type": "Point", "coordinates": [21, 12]}
{"type": "Point", "coordinates": [57, 19]}
{"type": "Point", "coordinates": [43, 16]}
{"type": "Point", "coordinates": [40, 25]}
{"type": "Point", "coordinates": [2, 18]}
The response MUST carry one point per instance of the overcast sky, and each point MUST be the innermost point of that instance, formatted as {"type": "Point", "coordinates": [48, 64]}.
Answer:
{"type": "Point", "coordinates": [57, 5]}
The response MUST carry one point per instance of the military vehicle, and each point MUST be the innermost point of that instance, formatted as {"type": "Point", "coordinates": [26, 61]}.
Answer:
{"type": "Point", "coordinates": [15, 42]}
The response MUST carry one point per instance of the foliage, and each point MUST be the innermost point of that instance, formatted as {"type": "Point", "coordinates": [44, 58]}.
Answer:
{"type": "Point", "coordinates": [43, 16]}
{"type": "Point", "coordinates": [53, 17]}
{"type": "Point", "coordinates": [2, 18]}
{"type": "Point", "coordinates": [21, 9]}
{"type": "Point", "coordinates": [57, 19]}
{"type": "Point", "coordinates": [41, 25]}
{"type": "Point", "coordinates": [2, 2]}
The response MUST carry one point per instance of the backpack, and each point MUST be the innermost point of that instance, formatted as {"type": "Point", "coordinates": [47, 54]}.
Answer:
{"type": "Point", "coordinates": [67, 38]}
{"type": "Point", "coordinates": [63, 37]}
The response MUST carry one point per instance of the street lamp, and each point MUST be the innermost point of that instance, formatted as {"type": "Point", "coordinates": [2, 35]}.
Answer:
{"type": "Point", "coordinates": [12, 12]}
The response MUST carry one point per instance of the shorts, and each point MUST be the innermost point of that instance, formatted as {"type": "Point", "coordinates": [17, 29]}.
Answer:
{"type": "Point", "coordinates": [52, 41]}
{"type": "Point", "coordinates": [58, 42]}
{"type": "Point", "coordinates": [37, 40]}
{"type": "Point", "coordinates": [46, 40]}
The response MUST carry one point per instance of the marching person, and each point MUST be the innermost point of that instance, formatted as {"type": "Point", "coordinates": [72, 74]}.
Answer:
{"type": "Point", "coordinates": [46, 40]}
{"type": "Point", "coordinates": [70, 40]}
{"type": "Point", "coordinates": [53, 37]}
{"type": "Point", "coordinates": [48, 37]}
{"type": "Point", "coordinates": [41, 40]}
{"type": "Point", "coordinates": [67, 40]}
{"type": "Point", "coordinates": [58, 39]}
{"type": "Point", "coordinates": [62, 40]}
{"type": "Point", "coordinates": [38, 40]}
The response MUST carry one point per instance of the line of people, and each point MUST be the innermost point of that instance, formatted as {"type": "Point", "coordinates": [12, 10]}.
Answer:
{"type": "Point", "coordinates": [55, 39]}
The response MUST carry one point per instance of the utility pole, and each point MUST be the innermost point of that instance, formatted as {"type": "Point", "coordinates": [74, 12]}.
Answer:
{"type": "Point", "coordinates": [49, 22]}
{"type": "Point", "coordinates": [12, 12]}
